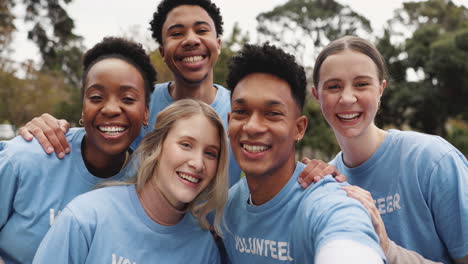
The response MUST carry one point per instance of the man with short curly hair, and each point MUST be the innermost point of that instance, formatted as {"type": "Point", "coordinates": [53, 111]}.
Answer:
{"type": "Point", "coordinates": [189, 34]}
{"type": "Point", "coordinates": [269, 217]}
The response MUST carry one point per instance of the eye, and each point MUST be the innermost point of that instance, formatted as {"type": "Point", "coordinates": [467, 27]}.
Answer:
{"type": "Point", "coordinates": [203, 30]}
{"type": "Point", "coordinates": [362, 84]}
{"type": "Point", "coordinates": [333, 86]}
{"type": "Point", "coordinates": [212, 154]}
{"type": "Point", "coordinates": [176, 34]}
{"type": "Point", "coordinates": [239, 111]}
{"type": "Point", "coordinates": [186, 145]}
{"type": "Point", "coordinates": [95, 98]}
{"type": "Point", "coordinates": [274, 113]}
{"type": "Point", "coordinates": [128, 100]}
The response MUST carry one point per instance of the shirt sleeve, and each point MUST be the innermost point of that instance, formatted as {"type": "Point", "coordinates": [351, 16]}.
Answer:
{"type": "Point", "coordinates": [9, 181]}
{"type": "Point", "coordinates": [334, 216]}
{"type": "Point", "coordinates": [448, 201]}
{"type": "Point", "coordinates": [64, 243]}
{"type": "Point", "coordinates": [350, 252]}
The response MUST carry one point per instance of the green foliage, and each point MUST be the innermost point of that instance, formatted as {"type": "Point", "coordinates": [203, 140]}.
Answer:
{"type": "Point", "coordinates": [229, 47]}
{"type": "Point", "coordinates": [458, 135]}
{"type": "Point", "coordinates": [299, 25]}
{"type": "Point", "coordinates": [23, 99]}
{"type": "Point", "coordinates": [7, 26]}
{"type": "Point", "coordinates": [437, 50]}
{"type": "Point", "coordinates": [319, 141]}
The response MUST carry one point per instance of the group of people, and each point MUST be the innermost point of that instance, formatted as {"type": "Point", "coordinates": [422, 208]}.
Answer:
{"type": "Point", "coordinates": [163, 156]}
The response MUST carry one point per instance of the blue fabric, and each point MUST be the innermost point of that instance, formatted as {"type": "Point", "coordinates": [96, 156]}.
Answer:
{"type": "Point", "coordinates": [160, 99]}
{"type": "Point", "coordinates": [420, 186]}
{"type": "Point", "coordinates": [109, 225]}
{"type": "Point", "coordinates": [34, 188]}
{"type": "Point", "coordinates": [295, 224]}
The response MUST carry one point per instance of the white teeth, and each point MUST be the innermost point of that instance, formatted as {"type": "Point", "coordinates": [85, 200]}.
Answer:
{"type": "Point", "coordinates": [192, 59]}
{"type": "Point", "coordinates": [112, 130]}
{"type": "Point", "coordinates": [251, 148]}
{"type": "Point", "coordinates": [348, 116]}
{"type": "Point", "coordinates": [189, 178]}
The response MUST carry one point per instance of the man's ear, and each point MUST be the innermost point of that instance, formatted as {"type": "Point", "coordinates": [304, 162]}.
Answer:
{"type": "Point", "coordinates": [218, 40]}
{"type": "Point", "coordinates": [161, 51]}
{"type": "Point", "coordinates": [301, 127]}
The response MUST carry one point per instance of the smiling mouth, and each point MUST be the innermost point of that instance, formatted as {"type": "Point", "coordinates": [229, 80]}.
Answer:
{"type": "Point", "coordinates": [348, 117]}
{"type": "Point", "coordinates": [188, 177]}
{"type": "Point", "coordinates": [255, 148]}
{"type": "Point", "coordinates": [193, 59]}
{"type": "Point", "coordinates": [112, 130]}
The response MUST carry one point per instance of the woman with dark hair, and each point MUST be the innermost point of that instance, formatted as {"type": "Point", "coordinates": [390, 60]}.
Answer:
{"type": "Point", "coordinates": [35, 187]}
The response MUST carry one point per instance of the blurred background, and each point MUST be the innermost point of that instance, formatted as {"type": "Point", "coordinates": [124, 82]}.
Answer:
{"type": "Point", "coordinates": [425, 44]}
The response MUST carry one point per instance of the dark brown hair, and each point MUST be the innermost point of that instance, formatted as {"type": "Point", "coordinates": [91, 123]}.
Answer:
{"type": "Point", "coordinates": [355, 44]}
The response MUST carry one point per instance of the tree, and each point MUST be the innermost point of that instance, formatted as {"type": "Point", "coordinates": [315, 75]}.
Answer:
{"type": "Point", "coordinates": [302, 27]}
{"type": "Point", "coordinates": [437, 50]}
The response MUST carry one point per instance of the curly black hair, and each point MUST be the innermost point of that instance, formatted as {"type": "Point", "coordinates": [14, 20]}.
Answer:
{"type": "Point", "coordinates": [272, 60]}
{"type": "Point", "coordinates": [129, 51]}
{"type": "Point", "coordinates": [159, 17]}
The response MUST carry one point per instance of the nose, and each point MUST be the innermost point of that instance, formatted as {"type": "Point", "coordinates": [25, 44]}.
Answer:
{"type": "Point", "coordinates": [191, 39]}
{"type": "Point", "coordinates": [254, 125]}
{"type": "Point", "coordinates": [112, 107]}
{"type": "Point", "coordinates": [196, 162]}
{"type": "Point", "coordinates": [348, 96]}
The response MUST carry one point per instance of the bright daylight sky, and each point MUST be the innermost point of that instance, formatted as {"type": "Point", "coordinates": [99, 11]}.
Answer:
{"type": "Point", "coordinates": [95, 19]}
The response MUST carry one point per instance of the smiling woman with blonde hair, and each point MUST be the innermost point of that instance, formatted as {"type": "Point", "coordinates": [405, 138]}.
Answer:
{"type": "Point", "coordinates": [183, 165]}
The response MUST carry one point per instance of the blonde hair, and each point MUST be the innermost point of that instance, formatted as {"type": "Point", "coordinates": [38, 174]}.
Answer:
{"type": "Point", "coordinates": [149, 151]}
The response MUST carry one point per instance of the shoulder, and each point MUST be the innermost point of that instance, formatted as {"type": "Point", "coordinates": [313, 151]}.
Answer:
{"type": "Point", "coordinates": [223, 91]}
{"type": "Point", "coordinates": [423, 148]}
{"type": "Point", "coordinates": [416, 141]}
{"type": "Point", "coordinates": [326, 196]}
{"type": "Point", "coordinates": [237, 191]}
{"type": "Point", "coordinates": [98, 201]}
{"type": "Point", "coordinates": [20, 147]}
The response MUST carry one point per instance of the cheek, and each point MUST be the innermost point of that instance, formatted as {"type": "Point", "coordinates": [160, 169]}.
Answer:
{"type": "Point", "coordinates": [212, 167]}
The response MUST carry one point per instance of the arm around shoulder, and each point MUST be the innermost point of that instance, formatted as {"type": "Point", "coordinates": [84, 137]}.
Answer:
{"type": "Point", "coordinates": [398, 255]}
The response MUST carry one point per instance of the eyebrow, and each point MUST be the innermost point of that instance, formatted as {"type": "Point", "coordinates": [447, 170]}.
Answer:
{"type": "Point", "coordinates": [268, 103]}
{"type": "Point", "coordinates": [217, 147]}
{"type": "Point", "coordinates": [98, 86]}
{"type": "Point", "coordinates": [197, 23]}
{"type": "Point", "coordinates": [357, 77]}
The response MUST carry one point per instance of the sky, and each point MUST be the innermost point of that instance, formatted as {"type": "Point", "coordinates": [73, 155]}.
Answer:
{"type": "Point", "coordinates": [97, 19]}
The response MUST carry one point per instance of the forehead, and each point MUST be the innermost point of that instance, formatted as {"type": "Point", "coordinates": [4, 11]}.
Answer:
{"type": "Point", "coordinates": [197, 127]}
{"type": "Point", "coordinates": [187, 15]}
{"type": "Point", "coordinates": [115, 71]}
{"type": "Point", "coordinates": [115, 67]}
{"type": "Point", "coordinates": [348, 63]}
{"type": "Point", "coordinates": [263, 88]}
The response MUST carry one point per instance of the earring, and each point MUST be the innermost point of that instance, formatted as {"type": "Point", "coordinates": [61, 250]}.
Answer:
{"type": "Point", "coordinates": [80, 122]}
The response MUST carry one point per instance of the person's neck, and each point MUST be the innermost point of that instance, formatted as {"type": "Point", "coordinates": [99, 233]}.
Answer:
{"type": "Point", "coordinates": [157, 207]}
{"type": "Point", "coordinates": [100, 164]}
{"type": "Point", "coordinates": [265, 186]}
{"type": "Point", "coordinates": [358, 150]}
{"type": "Point", "coordinates": [204, 91]}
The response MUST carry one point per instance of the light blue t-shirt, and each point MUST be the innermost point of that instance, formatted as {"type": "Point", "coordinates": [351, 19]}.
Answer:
{"type": "Point", "coordinates": [292, 227]}
{"type": "Point", "coordinates": [34, 188]}
{"type": "Point", "coordinates": [109, 225]}
{"type": "Point", "coordinates": [161, 98]}
{"type": "Point", "coordinates": [419, 184]}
